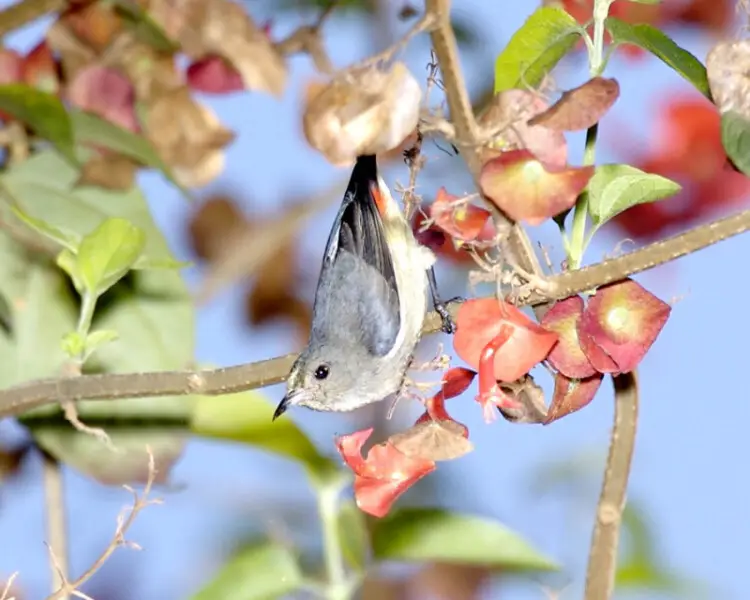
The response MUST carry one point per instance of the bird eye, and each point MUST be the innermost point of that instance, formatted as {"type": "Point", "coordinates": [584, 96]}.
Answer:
{"type": "Point", "coordinates": [321, 372]}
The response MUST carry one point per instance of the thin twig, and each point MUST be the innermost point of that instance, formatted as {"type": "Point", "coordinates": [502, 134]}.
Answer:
{"type": "Point", "coordinates": [8, 586]}
{"type": "Point", "coordinates": [20, 398]}
{"type": "Point", "coordinates": [57, 534]}
{"type": "Point", "coordinates": [22, 13]}
{"type": "Point", "coordinates": [600, 573]}
{"type": "Point", "coordinates": [123, 525]}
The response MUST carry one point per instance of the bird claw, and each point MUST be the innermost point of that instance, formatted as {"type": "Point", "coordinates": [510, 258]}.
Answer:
{"type": "Point", "coordinates": [448, 324]}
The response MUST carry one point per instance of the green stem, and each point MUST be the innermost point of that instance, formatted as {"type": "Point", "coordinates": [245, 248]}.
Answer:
{"type": "Point", "coordinates": [338, 586]}
{"type": "Point", "coordinates": [578, 239]}
{"type": "Point", "coordinates": [85, 317]}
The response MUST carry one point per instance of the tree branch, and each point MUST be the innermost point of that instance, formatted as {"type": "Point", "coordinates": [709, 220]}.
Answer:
{"type": "Point", "coordinates": [602, 566]}
{"type": "Point", "coordinates": [466, 129]}
{"type": "Point", "coordinates": [57, 535]}
{"type": "Point", "coordinates": [26, 396]}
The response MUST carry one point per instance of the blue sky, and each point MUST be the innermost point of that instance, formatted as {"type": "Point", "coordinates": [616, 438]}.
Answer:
{"type": "Point", "coordinates": [688, 469]}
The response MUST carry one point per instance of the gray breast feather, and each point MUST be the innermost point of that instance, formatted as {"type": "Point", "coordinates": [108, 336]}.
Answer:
{"type": "Point", "coordinates": [354, 304]}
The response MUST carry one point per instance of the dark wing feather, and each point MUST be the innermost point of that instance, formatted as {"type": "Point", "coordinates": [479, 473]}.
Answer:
{"type": "Point", "coordinates": [358, 230]}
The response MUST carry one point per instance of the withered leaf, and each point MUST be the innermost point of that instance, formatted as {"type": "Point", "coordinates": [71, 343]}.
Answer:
{"type": "Point", "coordinates": [581, 107]}
{"type": "Point", "coordinates": [433, 440]}
{"type": "Point", "coordinates": [188, 137]}
{"type": "Point", "coordinates": [109, 171]}
{"type": "Point", "coordinates": [224, 28]}
{"type": "Point", "coordinates": [728, 69]}
{"type": "Point", "coordinates": [213, 226]}
{"type": "Point", "coordinates": [530, 396]}
{"type": "Point", "coordinates": [370, 110]}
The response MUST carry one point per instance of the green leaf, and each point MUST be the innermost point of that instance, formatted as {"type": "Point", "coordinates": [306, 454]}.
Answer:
{"type": "Point", "coordinates": [353, 535]}
{"type": "Point", "coordinates": [262, 571]}
{"type": "Point", "coordinates": [144, 262]}
{"type": "Point", "coordinates": [435, 535]}
{"type": "Point", "coordinates": [97, 338]}
{"type": "Point", "coordinates": [661, 45]}
{"type": "Point", "coordinates": [246, 418]}
{"type": "Point", "coordinates": [735, 137]}
{"type": "Point", "coordinates": [43, 187]}
{"type": "Point", "coordinates": [144, 27]}
{"type": "Point", "coordinates": [128, 464]}
{"type": "Point", "coordinates": [73, 344]}
{"type": "Point", "coordinates": [534, 50]}
{"type": "Point", "coordinates": [65, 239]}
{"type": "Point", "coordinates": [68, 262]}
{"type": "Point", "coordinates": [43, 112]}
{"type": "Point", "coordinates": [615, 188]}
{"type": "Point", "coordinates": [89, 128]}
{"type": "Point", "coordinates": [107, 253]}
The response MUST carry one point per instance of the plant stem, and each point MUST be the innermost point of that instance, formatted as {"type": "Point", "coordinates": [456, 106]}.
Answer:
{"type": "Point", "coordinates": [57, 534]}
{"type": "Point", "coordinates": [597, 63]}
{"type": "Point", "coordinates": [338, 587]}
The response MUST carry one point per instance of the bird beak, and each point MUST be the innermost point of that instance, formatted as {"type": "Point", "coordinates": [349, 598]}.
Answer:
{"type": "Point", "coordinates": [281, 408]}
{"type": "Point", "coordinates": [291, 399]}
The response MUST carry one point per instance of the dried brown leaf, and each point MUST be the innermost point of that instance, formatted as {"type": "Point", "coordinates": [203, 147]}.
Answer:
{"type": "Point", "coordinates": [74, 54]}
{"type": "Point", "coordinates": [188, 137]}
{"type": "Point", "coordinates": [581, 107]}
{"type": "Point", "coordinates": [368, 111]}
{"type": "Point", "coordinates": [530, 396]}
{"type": "Point", "coordinates": [433, 440]}
{"type": "Point", "coordinates": [728, 69]}
{"type": "Point", "coordinates": [110, 171]}
{"type": "Point", "coordinates": [222, 27]}
{"type": "Point", "coordinates": [214, 226]}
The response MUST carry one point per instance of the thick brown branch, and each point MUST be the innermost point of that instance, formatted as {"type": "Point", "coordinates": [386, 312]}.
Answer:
{"type": "Point", "coordinates": [26, 396]}
{"type": "Point", "coordinates": [602, 566]}
{"type": "Point", "coordinates": [465, 125]}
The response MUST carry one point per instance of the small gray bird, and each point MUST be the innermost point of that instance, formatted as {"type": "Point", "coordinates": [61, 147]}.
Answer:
{"type": "Point", "coordinates": [369, 306]}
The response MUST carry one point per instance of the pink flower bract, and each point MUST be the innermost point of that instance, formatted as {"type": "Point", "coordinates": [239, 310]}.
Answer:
{"type": "Point", "coordinates": [528, 190]}
{"type": "Point", "coordinates": [384, 475]}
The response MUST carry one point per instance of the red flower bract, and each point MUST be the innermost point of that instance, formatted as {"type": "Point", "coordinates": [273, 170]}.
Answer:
{"type": "Point", "coordinates": [572, 395]}
{"type": "Point", "coordinates": [528, 190]}
{"type": "Point", "coordinates": [39, 69]}
{"type": "Point", "coordinates": [213, 75]}
{"type": "Point", "coordinates": [620, 323]}
{"type": "Point", "coordinates": [480, 320]}
{"type": "Point", "coordinates": [384, 475]}
{"type": "Point", "coordinates": [463, 222]}
{"type": "Point", "coordinates": [567, 356]}
{"type": "Point", "coordinates": [106, 92]}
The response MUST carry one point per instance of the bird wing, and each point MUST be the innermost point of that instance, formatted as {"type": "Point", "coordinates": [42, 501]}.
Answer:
{"type": "Point", "coordinates": [357, 274]}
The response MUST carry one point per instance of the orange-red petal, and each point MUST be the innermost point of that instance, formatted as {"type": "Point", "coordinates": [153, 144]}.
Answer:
{"type": "Point", "coordinates": [567, 356]}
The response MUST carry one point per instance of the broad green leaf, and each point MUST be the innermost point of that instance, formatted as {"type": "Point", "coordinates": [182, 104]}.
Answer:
{"type": "Point", "coordinates": [129, 464]}
{"type": "Point", "coordinates": [263, 571]}
{"type": "Point", "coordinates": [615, 188]}
{"type": "Point", "coordinates": [43, 311]}
{"type": "Point", "coordinates": [89, 128]}
{"type": "Point", "coordinates": [534, 50]}
{"type": "Point", "coordinates": [65, 239]}
{"type": "Point", "coordinates": [144, 262]}
{"type": "Point", "coordinates": [353, 535]}
{"type": "Point", "coordinates": [661, 45]}
{"type": "Point", "coordinates": [735, 137]}
{"type": "Point", "coordinates": [107, 253]}
{"type": "Point", "coordinates": [68, 262]}
{"type": "Point", "coordinates": [100, 337]}
{"type": "Point", "coordinates": [43, 187]}
{"type": "Point", "coordinates": [43, 112]}
{"type": "Point", "coordinates": [431, 534]}
{"type": "Point", "coordinates": [246, 418]}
